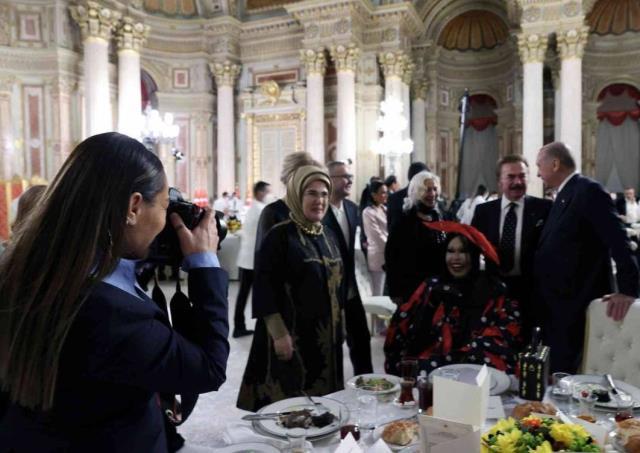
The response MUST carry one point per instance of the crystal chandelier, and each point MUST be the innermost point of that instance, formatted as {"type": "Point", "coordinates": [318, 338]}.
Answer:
{"type": "Point", "coordinates": [157, 129]}
{"type": "Point", "coordinates": [392, 126]}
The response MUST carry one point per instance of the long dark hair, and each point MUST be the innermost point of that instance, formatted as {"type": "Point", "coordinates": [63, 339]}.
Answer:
{"type": "Point", "coordinates": [374, 186]}
{"type": "Point", "coordinates": [72, 239]}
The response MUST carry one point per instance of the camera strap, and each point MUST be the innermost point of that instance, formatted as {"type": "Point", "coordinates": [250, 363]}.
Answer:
{"type": "Point", "coordinates": [182, 319]}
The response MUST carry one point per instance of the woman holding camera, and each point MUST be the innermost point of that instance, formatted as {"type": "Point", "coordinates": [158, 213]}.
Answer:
{"type": "Point", "coordinates": [297, 345]}
{"type": "Point", "coordinates": [83, 351]}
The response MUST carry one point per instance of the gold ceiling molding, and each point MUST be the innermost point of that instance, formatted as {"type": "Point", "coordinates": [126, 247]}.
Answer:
{"type": "Point", "coordinates": [264, 5]}
{"type": "Point", "coordinates": [173, 8]}
{"type": "Point", "coordinates": [474, 30]}
{"type": "Point", "coordinates": [614, 17]}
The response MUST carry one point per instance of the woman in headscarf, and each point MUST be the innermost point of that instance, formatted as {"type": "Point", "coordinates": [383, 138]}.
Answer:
{"type": "Point", "coordinates": [462, 316]}
{"type": "Point", "coordinates": [415, 252]}
{"type": "Point", "coordinates": [297, 345]}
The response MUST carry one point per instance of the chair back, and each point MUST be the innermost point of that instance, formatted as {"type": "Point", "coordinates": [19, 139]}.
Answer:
{"type": "Point", "coordinates": [612, 347]}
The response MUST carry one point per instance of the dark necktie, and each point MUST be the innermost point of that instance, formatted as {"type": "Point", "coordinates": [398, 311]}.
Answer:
{"type": "Point", "coordinates": [508, 239]}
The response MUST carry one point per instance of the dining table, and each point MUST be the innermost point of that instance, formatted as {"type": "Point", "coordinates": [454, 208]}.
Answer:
{"type": "Point", "coordinates": [386, 411]}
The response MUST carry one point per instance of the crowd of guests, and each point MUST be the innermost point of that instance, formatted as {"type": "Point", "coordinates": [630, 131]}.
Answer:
{"type": "Point", "coordinates": [469, 284]}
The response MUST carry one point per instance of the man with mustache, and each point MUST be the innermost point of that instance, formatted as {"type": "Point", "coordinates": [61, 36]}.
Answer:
{"type": "Point", "coordinates": [513, 224]}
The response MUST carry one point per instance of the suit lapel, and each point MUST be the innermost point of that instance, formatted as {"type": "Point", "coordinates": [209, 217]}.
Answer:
{"type": "Point", "coordinates": [494, 228]}
{"type": "Point", "coordinates": [563, 199]}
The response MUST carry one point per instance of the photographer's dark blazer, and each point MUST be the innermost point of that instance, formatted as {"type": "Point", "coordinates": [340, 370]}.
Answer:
{"type": "Point", "coordinates": [486, 218]}
{"type": "Point", "coordinates": [120, 353]}
{"type": "Point", "coordinates": [572, 265]}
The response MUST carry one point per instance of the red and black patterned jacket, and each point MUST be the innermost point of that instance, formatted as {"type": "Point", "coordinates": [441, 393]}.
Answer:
{"type": "Point", "coordinates": [442, 324]}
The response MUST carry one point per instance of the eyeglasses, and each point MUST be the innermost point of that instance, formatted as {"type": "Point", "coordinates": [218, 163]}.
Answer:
{"type": "Point", "coordinates": [346, 176]}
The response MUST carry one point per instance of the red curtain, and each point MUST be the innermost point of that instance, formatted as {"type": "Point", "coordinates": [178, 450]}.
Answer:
{"type": "Point", "coordinates": [617, 89]}
{"type": "Point", "coordinates": [617, 118]}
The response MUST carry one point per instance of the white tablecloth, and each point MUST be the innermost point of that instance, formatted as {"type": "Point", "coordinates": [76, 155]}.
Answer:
{"type": "Point", "coordinates": [228, 255]}
{"type": "Point", "coordinates": [241, 431]}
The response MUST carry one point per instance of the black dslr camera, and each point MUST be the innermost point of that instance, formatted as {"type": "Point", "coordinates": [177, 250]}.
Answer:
{"type": "Point", "coordinates": [165, 249]}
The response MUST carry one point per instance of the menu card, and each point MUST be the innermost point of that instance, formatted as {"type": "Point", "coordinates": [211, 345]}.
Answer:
{"type": "Point", "coordinates": [462, 402]}
{"type": "Point", "coordinates": [445, 436]}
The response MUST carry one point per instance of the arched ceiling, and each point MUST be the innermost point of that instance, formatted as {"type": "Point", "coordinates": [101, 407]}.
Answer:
{"type": "Point", "coordinates": [614, 17]}
{"type": "Point", "coordinates": [474, 30]}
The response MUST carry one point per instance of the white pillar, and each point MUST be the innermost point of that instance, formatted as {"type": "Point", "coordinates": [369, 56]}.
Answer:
{"type": "Point", "coordinates": [557, 107]}
{"type": "Point", "coordinates": [96, 24]}
{"type": "Point", "coordinates": [225, 74]}
{"type": "Point", "coordinates": [418, 121]}
{"type": "Point", "coordinates": [571, 45]}
{"type": "Point", "coordinates": [532, 49]}
{"type": "Point", "coordinates": [346, 60]}
{"type": "Point", "coordinates": [315, 65]}
{"type": "Point", "coordinates": [7, 150]}
{"type": "Point", "coordinates": [130, 38]}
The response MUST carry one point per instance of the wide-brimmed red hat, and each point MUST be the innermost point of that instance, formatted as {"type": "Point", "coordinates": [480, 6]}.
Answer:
{"type": "Point", "coordinates": [471, 233]}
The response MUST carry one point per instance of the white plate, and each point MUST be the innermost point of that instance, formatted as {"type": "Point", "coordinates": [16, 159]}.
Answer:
{"type": "Point", "coordinates": [271, 426]}
{"type": "Point", "coordinates": [249, 447]}
{"type": "Point", "coordinates": [627, 391]}
{"type": "Point", "coordinates": [377, 434]}
{"type": "Point", "coordinates": [393, 379]}
{"type": "Point", "coordinates": [500, 382]}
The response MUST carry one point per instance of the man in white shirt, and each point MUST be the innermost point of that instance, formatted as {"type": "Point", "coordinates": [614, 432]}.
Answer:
{"type": "Point", "coordinates": [222, 204]}
{"type": "Point", "coordinates": [466, 211]}
{"type": "Point", "coordinates": [629, 209]}
{"type": "Point", "coordinates": [513, 224]}
{"type": "Point", "coordinates": [342, 218]}
{"type": "Point", "coordinates": [261, 191]}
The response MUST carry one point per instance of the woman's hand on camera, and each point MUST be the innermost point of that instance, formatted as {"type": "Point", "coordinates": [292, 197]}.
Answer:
{"type": "Point", "coordinates": [203, 238]}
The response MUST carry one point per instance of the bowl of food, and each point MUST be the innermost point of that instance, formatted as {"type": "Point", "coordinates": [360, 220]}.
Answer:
{"type": "Point", "coordinates": [375, 384]}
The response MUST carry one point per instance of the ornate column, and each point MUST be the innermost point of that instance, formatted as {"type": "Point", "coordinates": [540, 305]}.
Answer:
{"type": "Point", "coordinates": [61, 90]}
{"type": "Point", "coordinates": [130, 38]}
{"type": "Point", "coordinates": [346, 60]}
{"type": "Point", "coordinates": [200, 161]}
{"type": "Point", "coordinates": [225, 74]}
{"type": "Point", "coordinates": [418, 120]}
{"type": "Point", "coordinates": [7, 151]}
{"type": "Point", "coordinates": [407, 75]}
{"type": "Point", "coordinates": [394, 67]}
{"type": "Point", "coordinates": [571, 46]}
{"type": "Point", "coordinates": [96, 24]}
{"type": "Point", "coordinates": [532, 50]}
{"type": "Point", "coordinates": [315, 65]}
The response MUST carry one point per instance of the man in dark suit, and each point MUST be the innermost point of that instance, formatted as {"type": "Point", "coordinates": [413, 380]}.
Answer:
{"type": "Point", "coordinates": [513, 224]}
{"type": "Point", "coordinates": [342, 218]}
{"type": "Point", "coordinates": [572, 264]}
{"type": "Point", "coordinates": [396, 199]}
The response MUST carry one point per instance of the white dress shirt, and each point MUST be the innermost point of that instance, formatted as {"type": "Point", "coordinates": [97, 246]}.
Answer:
{"type": "Point", "coordinates": [519, 210]}
{"type": "Point", "coordinates": [633, 211]}
{"type": "Point", "coordinates": [341, 217]}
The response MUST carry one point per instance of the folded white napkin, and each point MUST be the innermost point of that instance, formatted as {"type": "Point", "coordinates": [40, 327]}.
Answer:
{"type": "Point", "coordinates": [379, 447]}
{"type": "Point", "coordinates": [239, 432]}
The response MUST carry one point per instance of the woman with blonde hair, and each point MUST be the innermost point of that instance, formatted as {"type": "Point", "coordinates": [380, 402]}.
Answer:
{"type": "Point", "coordinates": [415, 252]}
{"type": "Point", "coordinates": [297, 345]}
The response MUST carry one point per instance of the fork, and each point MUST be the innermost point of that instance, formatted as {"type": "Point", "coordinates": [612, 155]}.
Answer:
{"type": "Point", "coordinates": [316, 405]}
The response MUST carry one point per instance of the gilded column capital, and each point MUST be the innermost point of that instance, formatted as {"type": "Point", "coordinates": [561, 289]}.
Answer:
{"type": "Point", "coordinates": [532, 47]}
{"type": "Point", "coordinates": [407, 75]}
{"type": "Point", "coordinates": [225, 72]}
{"type": "Point", "coordinates": [7, 82]}
{"type": "Point", "coordinates": [131, 35]}
{"type": "Point", "coordinates": [571, 42]}
{"type": "Point", "coordinates": [345, 57]}
{"type": "Point", "coordinates": [314, 61]}
{"type": "Point", "coordinates": [393, 63]}
{"type": "Point", "coordinates": [94, 20]}
{"type": "Point", "coordinates": [420, 89]}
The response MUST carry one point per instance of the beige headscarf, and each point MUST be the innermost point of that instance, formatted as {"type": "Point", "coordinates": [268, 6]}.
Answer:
{"type": "Point", "coordinates": [296, 186]}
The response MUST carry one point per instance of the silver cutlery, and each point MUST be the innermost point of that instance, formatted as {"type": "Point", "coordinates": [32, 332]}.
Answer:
{"type": "Point", "coordinates": [265, 415]}
{"type": "Point", "coordinates": [613, 389]}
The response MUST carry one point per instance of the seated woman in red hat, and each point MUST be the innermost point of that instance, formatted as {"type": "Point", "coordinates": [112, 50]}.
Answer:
{"type": "Point", "coordinates": [463, 316]}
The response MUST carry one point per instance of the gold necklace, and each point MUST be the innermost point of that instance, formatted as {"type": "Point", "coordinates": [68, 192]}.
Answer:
{"type": "Point", "coordinates": [313, 230]}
